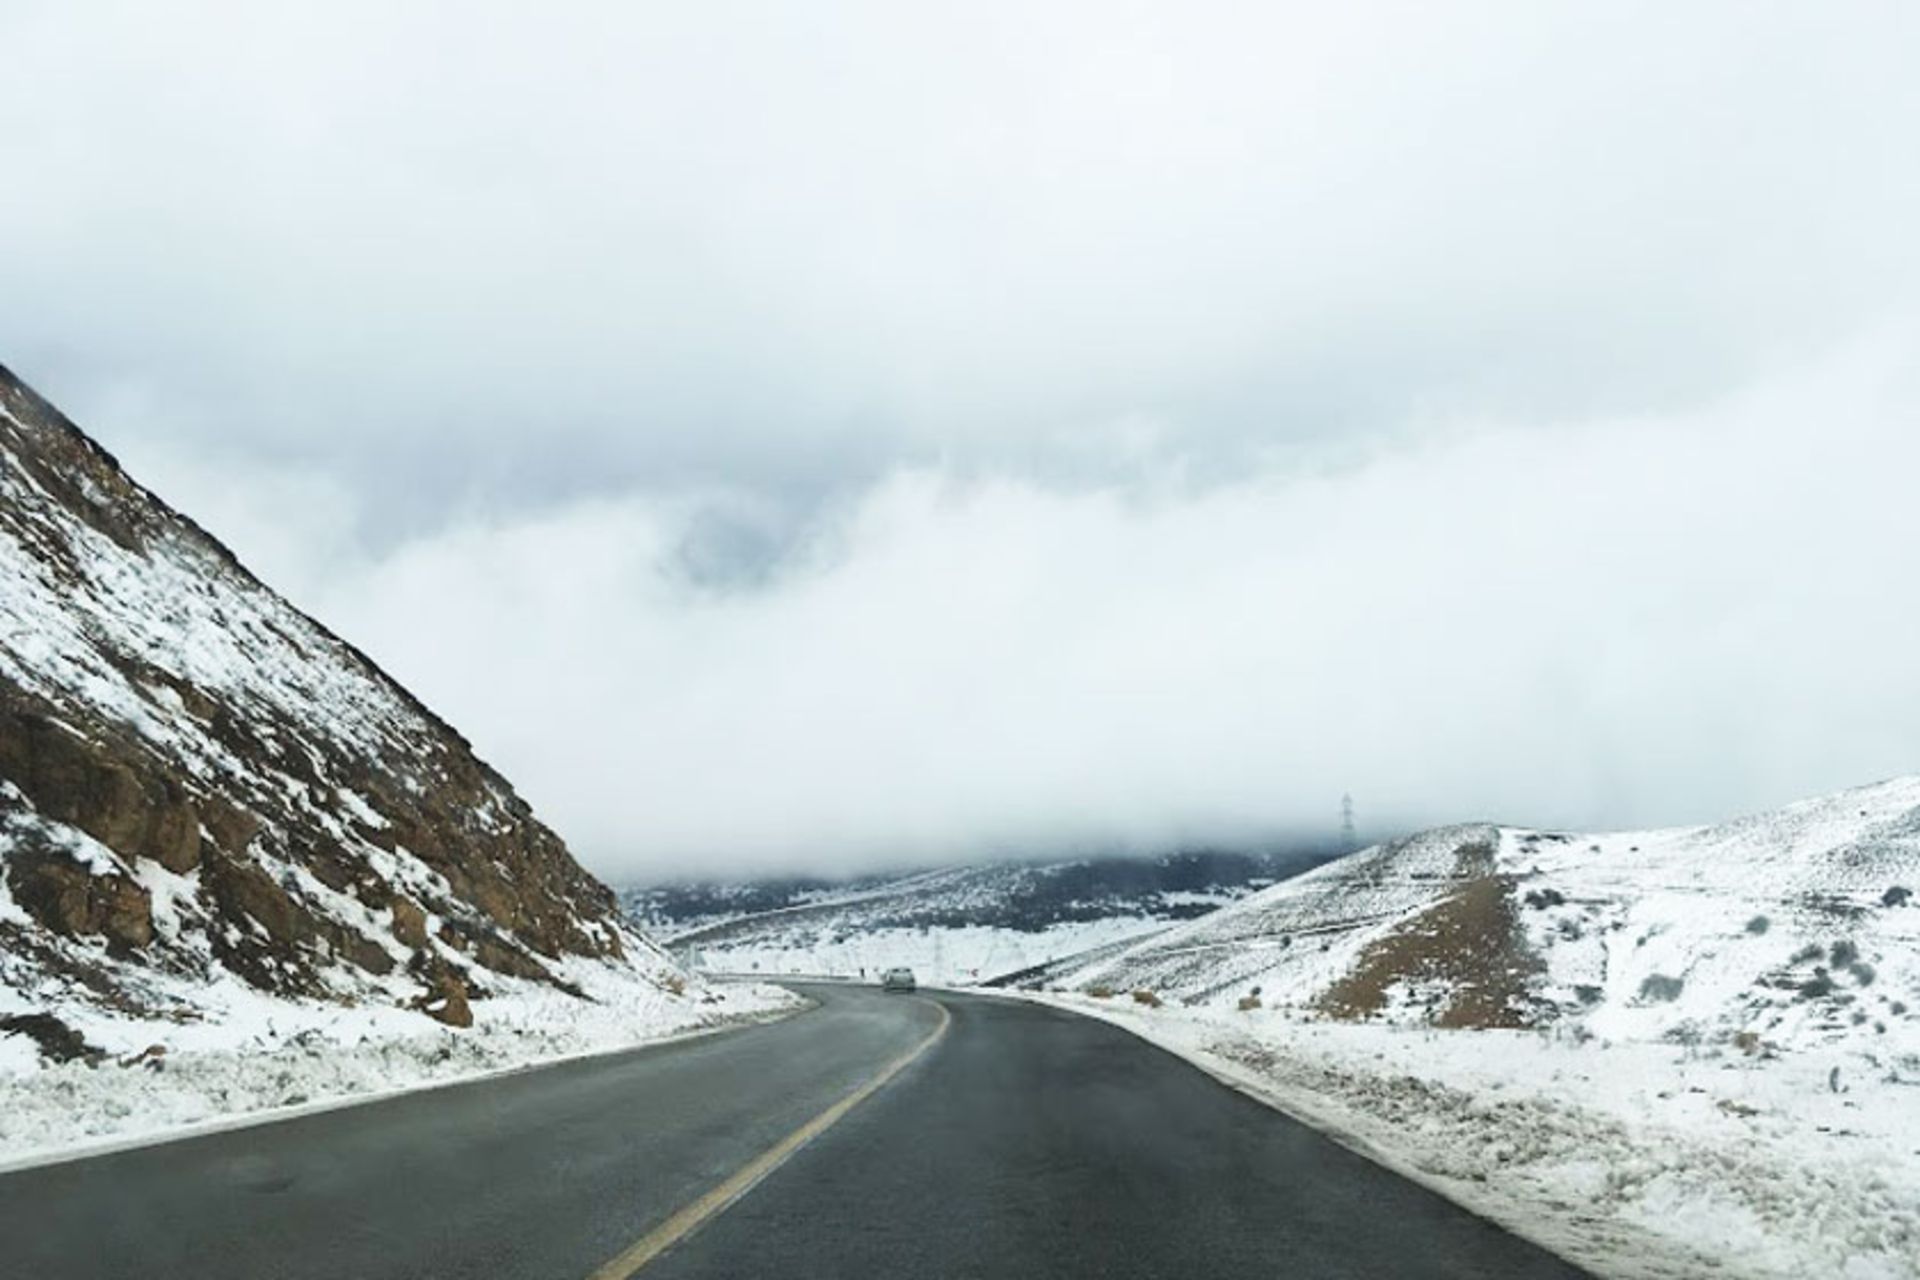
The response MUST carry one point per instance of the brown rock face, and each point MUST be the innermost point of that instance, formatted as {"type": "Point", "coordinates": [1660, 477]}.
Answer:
{"type": "Point", "coordinates": [73, 780]}
{"type": "Point", "coordinates": [409, 923]}
{"type": "Point", "coordinates": [189, 716]}
{"type": "Point", "coordinates": [241, 889]}
{"type": "Point", "coordinates": [243, 892]}
{"type": "Point", "coordinates": [446, 1000]}
{"type": "Point", "coordinates": [72, 901]}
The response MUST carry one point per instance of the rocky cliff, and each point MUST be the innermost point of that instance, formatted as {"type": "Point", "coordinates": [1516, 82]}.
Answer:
{"type": "Point", "coordinates": [201, 787]}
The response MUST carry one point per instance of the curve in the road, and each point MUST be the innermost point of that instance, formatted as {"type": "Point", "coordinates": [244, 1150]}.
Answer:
{"type": "Point", "coordinates": [1039, 1143]}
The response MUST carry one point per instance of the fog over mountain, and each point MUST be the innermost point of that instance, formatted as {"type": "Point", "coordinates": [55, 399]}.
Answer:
{"type": "Point", "coordinates": [793, 437]}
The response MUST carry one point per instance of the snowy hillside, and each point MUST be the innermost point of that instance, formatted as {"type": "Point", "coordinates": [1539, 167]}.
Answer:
{"type": "Point", "coordinates": [1659, 1052]}
{"type": "Point", "coordinates": [1789, 929]}
{"type": "Point", "coordinates": [957, 924]}
{"type": "Point", "coordinates": [221, 826]}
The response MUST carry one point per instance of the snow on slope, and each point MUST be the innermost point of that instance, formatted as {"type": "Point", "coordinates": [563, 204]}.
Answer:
{"type": "Point", "coordinates": [1787, 929]}
{"type": "Point", "coordinates": [223, 831]}
{"type": "Point", "coordinates": [1661, 1053]}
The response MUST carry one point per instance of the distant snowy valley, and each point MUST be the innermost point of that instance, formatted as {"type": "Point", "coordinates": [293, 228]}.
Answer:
{"type": "Point", "coordinates": [955, 926]}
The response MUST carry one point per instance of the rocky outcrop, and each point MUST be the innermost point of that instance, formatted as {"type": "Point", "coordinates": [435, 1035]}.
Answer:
{"type": "Point", "coordinates": [195, 776]}
{"type": "Point", "coordinates": [445, 998]}
{"type": "Point", "coordinates": [72, 900]}
{"type": "Point", "coordinates": [132, 809]}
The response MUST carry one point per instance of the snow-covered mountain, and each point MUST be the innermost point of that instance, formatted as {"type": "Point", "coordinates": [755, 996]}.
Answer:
{"type": "Point", "coordinates": [215, 814]}
{"type": "Point", "coordinates": [954, 924]}
{"type": "Point", "coordinates": [1792, 927]}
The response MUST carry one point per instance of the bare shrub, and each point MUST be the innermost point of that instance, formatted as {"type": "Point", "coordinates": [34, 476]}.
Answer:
{"type": "Point", "coordinates": [1661, 988]}
{"type": "Point", "coordinates": [1818, 986]}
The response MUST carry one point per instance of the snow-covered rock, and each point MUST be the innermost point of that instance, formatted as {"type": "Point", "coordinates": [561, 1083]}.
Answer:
{"type": "Point", "coordinates": [223, 828]}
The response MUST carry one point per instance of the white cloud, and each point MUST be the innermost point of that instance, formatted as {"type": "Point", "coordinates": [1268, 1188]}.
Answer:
{"type": "Point", "coordinates": [462, 249]}
{"type": "Point", "coordinates": [782, 432]}
{"type": "Point", "coordinates": [1658, 619]}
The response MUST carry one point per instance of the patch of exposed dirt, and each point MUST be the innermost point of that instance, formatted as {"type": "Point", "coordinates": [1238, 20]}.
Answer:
{"type": "Point", "coordinates": [1467, 954]}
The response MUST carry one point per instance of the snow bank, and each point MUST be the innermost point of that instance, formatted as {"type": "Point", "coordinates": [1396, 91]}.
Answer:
{"type": "Point", "coordinates": [273, 1057]}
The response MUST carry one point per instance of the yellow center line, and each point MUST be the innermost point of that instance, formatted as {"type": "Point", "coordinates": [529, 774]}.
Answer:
{"type": "Point", "coordinates": [718, 1200]}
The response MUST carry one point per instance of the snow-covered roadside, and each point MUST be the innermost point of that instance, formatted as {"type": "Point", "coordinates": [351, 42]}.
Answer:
{"type": "Point", "coordinates": [292, 1057]}
{"type": "Point", "coordinates": [1634, 1160]}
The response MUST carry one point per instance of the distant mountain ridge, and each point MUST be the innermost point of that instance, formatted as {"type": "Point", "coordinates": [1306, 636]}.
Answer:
{"type": "Point", "coordinates": [200, 786]}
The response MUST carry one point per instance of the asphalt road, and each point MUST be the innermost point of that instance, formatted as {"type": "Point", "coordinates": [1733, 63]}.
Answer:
{"type": "Point", "coordinates": [1023, 1143]}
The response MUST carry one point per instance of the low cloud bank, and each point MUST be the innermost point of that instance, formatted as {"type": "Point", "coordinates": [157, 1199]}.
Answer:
{"type": "Point", "coordinates": [1600, 623]}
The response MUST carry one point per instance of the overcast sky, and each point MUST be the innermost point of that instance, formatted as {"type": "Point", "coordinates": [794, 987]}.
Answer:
{"type": "Point", "coordinates": [825, 435]}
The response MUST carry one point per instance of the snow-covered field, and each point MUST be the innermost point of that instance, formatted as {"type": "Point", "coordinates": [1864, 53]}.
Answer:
{"type": "Point", "coordinates": [939, 956]}
{"type": "Point", "coordinates": [267, 1056]}
{"type": "Point", "coordinates": [966, 924]}
{"type": "Point", "coordinates": [1632, 1159]}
